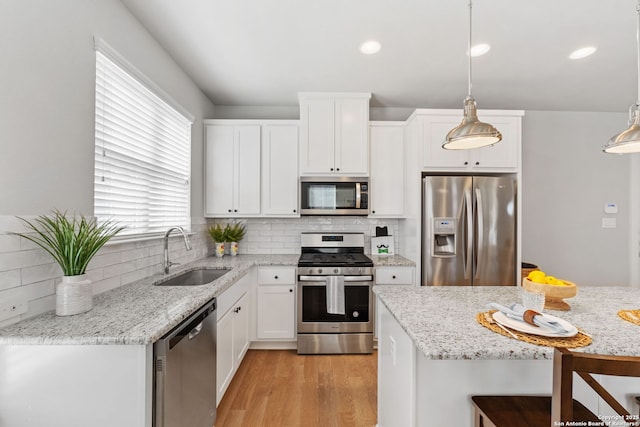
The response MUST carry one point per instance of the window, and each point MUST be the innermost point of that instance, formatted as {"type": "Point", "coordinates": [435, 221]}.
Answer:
{"type": "Point", "coordinates": [142, 150]}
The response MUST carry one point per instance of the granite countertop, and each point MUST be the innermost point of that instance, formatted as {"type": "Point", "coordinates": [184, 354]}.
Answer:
{"type": "Point", "coordinates": [391, 261]}
{"type": "Point", "coordinates": [441, 320]}
{"type": "Point", "coordinates": [140, 313]}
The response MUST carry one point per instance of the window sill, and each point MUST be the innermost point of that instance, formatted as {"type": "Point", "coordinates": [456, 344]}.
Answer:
{"type": "Point", "coordinates": [132, 238]}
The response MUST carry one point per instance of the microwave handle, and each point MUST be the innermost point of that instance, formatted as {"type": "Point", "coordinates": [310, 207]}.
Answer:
{"type": "Point", "coordinates": [358, 195]}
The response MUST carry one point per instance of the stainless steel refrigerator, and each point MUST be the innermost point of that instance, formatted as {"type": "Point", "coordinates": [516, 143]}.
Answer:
{"type": "Point", "coordinates": [469, 230]}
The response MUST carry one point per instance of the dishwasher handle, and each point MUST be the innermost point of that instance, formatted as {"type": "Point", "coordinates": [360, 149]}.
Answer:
{"type": "Point", "coordinates": [192, 326]}
{"type": "Point", "coordinates": [195, 331]}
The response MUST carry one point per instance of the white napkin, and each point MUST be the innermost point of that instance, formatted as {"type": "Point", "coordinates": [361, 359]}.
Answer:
{"type": "Point", "coordinates": [335, 295]}
{"type": "Point", "coordinates": [516, 311]}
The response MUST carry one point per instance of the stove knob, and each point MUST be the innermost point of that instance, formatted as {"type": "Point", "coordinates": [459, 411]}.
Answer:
{"type": "Point", "coordinates": [355, 314]}
{"type": "Point", "coordinates": [319, 271]}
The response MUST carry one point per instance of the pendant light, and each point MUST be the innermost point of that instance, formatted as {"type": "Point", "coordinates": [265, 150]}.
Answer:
{"type": "Point", "coordinates": [628, 141]}
{"type": "Point", "coordinates": [471, 133]}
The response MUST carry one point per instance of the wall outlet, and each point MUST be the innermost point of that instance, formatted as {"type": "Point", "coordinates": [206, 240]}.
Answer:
{"type": "Point", "coordinates": [13, 302]}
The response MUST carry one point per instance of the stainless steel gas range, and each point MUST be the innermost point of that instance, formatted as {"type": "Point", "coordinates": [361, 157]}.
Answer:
{"type": "Point", "coordinates": [335, 301]}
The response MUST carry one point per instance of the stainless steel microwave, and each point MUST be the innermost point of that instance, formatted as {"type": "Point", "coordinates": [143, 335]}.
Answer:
{"type": "Point", "coordinates": [334, 196]}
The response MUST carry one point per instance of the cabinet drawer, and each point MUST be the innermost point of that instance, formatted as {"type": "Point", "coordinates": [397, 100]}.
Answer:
{"type": "Point", "coordinates": [394, 276]}
{"type": "Point", "coordinates": [229, 297]}
{"type": "Point", "coordinates": [277, 276]}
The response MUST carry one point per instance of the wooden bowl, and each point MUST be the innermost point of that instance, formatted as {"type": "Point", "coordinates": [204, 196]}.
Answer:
{"type": "Point", "coordinates": [553, 294]}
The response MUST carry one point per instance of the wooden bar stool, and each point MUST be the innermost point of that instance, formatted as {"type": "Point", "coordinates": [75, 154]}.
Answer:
{"type": "Point", "coordinates": [542, 411]}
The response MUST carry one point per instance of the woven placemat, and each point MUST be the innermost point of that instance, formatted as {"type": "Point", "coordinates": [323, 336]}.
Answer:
{"type": "Point", "coordinates": [579, 340]}
{"type": "Point", "coordinates": [632, 316]}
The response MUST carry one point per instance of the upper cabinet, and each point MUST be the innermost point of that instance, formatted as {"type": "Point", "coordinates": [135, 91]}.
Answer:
{"type": "Point", "coordinates": [280, 169]}
{"type": "Point", "coordinates": [501, 157]}
{"type": "Point", "coordinates": [251, 168]}
{"type": "Point", "coordinates": [232, 169]}
{"type": "Point", "coordinates": [334, 131]}
{"type": "Point", "coordinates": [386, 181]}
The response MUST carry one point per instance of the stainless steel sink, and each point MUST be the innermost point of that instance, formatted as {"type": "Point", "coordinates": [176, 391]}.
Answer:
{"type": "Point", "coordinates": [197, 277]}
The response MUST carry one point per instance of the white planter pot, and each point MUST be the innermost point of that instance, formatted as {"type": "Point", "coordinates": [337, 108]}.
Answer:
{"type": "Point", "coordinates": [234, 248]}
{"type": "Point", "coordinates": [74, 295]}
{"type": "Point", "coordinates": [219, 249]}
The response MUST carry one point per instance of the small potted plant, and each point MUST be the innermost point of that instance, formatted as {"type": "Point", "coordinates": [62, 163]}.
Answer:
{"type": "Point", "coordinates": [219, 235]}
{"type": "Point", "coordinates": [235, 233]}
{"type": "Point", "coordinates": [72, 242]}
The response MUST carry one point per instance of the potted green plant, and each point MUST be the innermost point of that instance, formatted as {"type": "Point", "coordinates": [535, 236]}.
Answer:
{"type": "Point", "coordinates": [219, 235]}
{"type": "Point", "coordinates": [235, 233]}
{"type": "Point", "coordinates": [72, 241]}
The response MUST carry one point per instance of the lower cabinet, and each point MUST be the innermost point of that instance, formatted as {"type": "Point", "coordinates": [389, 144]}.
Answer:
{"type": "Point", "coordinates": [276, 304]}
{"type": "Point", "coordinates": [232, 339]}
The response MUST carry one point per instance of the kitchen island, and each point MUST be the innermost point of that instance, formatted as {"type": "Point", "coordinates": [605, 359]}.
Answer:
{"type": "Point", "coordinates": [433, 355]}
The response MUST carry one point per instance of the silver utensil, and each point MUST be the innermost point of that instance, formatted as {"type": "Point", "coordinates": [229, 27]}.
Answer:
{"type": "Point", "coordinates": [490, 319]}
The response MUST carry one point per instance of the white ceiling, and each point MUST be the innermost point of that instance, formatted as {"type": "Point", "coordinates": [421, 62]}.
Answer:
{"type": "Point", "coordinates": [263, 52]}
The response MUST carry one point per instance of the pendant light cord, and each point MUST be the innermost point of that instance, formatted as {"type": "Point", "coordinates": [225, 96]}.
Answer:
{"type": "Point", "coordinates": [469, 54]}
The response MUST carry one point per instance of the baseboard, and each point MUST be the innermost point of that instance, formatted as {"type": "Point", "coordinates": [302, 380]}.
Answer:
{"type": "Point", "coordinates": [273, 345]}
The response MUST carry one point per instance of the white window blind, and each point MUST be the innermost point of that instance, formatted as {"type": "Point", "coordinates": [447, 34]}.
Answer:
{"type": "Point", "coordinates": [142, 154]}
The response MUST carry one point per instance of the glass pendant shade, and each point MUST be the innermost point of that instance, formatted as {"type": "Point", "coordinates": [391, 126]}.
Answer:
{"type": "Point", "coordinates": [471, 132]}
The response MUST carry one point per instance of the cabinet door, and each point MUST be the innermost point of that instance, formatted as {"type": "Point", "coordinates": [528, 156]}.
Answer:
{"type": "Point", "coordinates": [317, 136]}
{"type": "Point", "coordinates": [240, 330]}
{"type": "Point", "coordinates": [276, 315]}
{"type": "Point", "coordinates": [505, 154]}
{"type": "Point", "coordinates": [280, 170]}
{"type": "Point", "coordinates": [224, 354]}
{"type": "Point", "coordinates": [352, 136]}
{"type": "Point", "coordinates": [435, 130]}
{"type": "Point", "coordinates": [219, 172]}
{"type": "Point", "coordinates": [386, 189]}
{"type": "Point", "coordinates": [246, 181]}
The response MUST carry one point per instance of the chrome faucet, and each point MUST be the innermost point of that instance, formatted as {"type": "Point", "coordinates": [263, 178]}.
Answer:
{"type": "Point", "coordinates": [187, 244]}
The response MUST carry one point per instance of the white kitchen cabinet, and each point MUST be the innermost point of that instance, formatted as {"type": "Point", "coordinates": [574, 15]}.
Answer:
{"type": "Point", "coordinates": [334, 133]}
{"type": "Point", "coordinates": [232, 169]}
{"type": "Point", "coordinates": [395, 275]}
{"type": "Point", "coordinates": [276, 304]}
{"type": "Point", "coordinates": [232, 339]}
{"type": "Point", "coordinates": [501, 157]}
{"type": "Point", "coordinates": [280, 169]}
{"type": "Point", "coordinates": [386, 180]}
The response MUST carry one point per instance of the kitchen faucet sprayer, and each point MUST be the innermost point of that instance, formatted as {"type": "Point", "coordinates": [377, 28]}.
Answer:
{"type": "Point", "coordinates": [187, 244]}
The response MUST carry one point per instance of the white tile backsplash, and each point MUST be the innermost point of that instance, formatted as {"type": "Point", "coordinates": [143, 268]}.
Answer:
{"type": "Point", "coordinates": [24, 265]}
{"type": "Point", "coordinates": [282, 235]}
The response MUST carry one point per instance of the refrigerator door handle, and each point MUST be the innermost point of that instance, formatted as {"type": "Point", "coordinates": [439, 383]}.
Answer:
{"type": "Point", "coordinates": [468, 240]}
{"type": "Point", "coordinates": [479, 228]}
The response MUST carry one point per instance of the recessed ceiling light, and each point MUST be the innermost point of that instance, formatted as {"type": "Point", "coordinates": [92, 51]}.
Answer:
{"type": "Point", "coordinates": [583, 52]}
{"type": "Point", "coordinates": [370, 47]}
{"type": "Point", "coordinates": [480, 49]}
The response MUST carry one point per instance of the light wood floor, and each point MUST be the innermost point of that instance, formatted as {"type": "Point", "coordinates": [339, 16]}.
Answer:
{"type": "Point", "coordinates": [279, 388]}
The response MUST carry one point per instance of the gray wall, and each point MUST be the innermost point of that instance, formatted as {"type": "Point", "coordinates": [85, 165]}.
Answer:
{"type": "Point", "coordinates": [47, 102]}
{"type": "Point", "coordinates": [567, 180]}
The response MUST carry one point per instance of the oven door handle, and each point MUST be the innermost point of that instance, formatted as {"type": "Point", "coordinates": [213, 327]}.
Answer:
{"type": "Point", "coordinates": [366, 278]}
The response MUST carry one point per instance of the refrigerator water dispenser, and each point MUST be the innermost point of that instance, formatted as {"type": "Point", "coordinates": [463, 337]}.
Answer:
{"type": "Point", "coordinates": [444, 237]}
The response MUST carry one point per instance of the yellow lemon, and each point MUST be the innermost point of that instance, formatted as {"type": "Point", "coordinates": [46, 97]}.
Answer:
{"type": "Point", "coordinates": [537, 276]}
{"type": "Point", "coordinates": [550, 280]}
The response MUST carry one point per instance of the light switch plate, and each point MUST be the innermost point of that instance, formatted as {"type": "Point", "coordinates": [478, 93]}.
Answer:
{"type": "Point", "coordinates": [609, 223]}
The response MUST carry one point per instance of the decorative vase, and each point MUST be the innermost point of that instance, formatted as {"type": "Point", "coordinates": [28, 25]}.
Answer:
{"type": "Point", "coordinates": [234, 248]}
{"type": "Point", "coordinates": [219, 249]}
{"type": "Point", "coordinates": [74, 295]}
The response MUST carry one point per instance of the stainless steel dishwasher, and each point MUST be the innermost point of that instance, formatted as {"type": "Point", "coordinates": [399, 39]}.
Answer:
{"type": "Point", "coordinates": [185, 372]}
